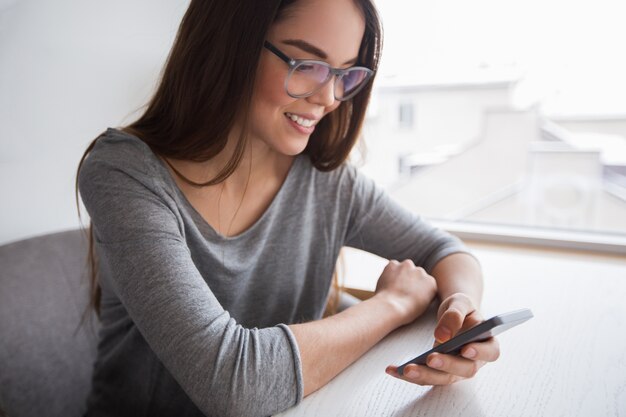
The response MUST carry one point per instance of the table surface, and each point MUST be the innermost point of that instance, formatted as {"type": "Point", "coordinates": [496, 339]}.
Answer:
{"type": "Point", "coordinates": [569, 360]}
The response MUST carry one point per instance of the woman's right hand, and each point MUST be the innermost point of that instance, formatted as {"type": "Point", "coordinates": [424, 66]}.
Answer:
{"type": "Point", "coordinates": [407, 287]}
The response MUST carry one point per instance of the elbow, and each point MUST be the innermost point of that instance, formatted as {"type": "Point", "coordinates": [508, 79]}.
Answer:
{"type": "Point", "coordinates": [250, 375]}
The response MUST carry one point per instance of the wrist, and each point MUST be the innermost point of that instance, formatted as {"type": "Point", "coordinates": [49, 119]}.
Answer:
{"type": "Point", "coordinates": [459, 273]}
{"type": "Point", "coordinates": [473, 300]}
{"type": "Point", "coordinates": [396, 310]}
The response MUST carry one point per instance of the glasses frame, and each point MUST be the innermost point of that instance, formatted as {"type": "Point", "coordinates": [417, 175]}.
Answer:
{"type": "Point", "coordinates": [338, 73]}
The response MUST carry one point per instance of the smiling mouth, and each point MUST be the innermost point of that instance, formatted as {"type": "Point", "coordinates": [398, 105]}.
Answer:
{"type": "Point", "coordinates": [301, 120]}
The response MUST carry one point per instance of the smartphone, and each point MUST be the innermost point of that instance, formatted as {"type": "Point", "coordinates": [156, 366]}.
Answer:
{"type": "Point", "coordinates": [480, 332]}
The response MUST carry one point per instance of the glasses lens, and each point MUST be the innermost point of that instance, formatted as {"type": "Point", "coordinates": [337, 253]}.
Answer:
{"type": "Point", "coordinates": [351, 83]}
{"type": "Point", "coordinates": [306, 77]}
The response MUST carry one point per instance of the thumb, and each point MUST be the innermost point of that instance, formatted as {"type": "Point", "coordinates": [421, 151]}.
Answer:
{"type": "Point", "coordinates": [452, 313]}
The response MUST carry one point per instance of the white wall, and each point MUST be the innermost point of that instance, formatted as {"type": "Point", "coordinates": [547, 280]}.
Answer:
{"type": "Point", "coordinates": [442, 118]}
{"type": "Point", "coordinates": [611, 126]}
{"type": "Point", "coordinates": [68, 70]}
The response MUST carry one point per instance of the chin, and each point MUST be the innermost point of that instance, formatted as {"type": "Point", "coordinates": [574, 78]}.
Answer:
{"type": "Point", "coordinates": [291, 145]}
{"type": "Point", "coordinates": [292, 150]}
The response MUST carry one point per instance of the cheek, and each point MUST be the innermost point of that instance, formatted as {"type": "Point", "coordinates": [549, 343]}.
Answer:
{"type": "Point", "coordinates": [269, 92]}
{"type": "Point", "coordinates": [333, 107]}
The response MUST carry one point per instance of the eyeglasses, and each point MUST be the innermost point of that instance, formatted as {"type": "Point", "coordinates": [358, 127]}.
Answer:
{"type": "Point", "coordinates": [306, 77]}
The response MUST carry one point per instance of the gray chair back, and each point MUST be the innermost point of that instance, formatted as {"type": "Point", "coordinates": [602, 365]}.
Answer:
{"type": "Point", "coordinates": [46, 355]}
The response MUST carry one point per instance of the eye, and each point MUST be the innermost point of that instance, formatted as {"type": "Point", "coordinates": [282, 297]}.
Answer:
{"type": "Point", "coordinates": [306, 68]}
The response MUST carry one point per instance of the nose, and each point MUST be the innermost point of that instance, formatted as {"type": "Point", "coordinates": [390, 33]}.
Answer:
{"type": "Point", "coordinates": [325, 96]}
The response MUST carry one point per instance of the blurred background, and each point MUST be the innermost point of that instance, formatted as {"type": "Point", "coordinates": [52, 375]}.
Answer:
{"type": "Point", "coordinates": [493, 114]}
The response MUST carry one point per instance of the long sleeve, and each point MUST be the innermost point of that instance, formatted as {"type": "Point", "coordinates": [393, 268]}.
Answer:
{"type": "Point", "coordinates": [380, 225]}
{"type": "Point", "coordinates": [224, 368]}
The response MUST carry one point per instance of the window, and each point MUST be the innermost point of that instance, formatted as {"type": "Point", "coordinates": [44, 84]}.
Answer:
{"type": "Point", "coordinates": [522, 130]}
{"type": "Point", "coordinates": [405, 115]}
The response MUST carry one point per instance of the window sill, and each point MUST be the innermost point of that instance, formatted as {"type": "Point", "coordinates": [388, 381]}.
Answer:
{"type": "Point", "coordinates": [536, 237]}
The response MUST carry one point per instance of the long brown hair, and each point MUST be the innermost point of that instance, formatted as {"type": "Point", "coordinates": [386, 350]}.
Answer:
{"type": "Point", "coordinates": [208, 81]}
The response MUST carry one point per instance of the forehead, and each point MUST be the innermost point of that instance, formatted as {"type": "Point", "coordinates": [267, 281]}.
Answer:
{"type": "Point", "coordinates": [334, 26]}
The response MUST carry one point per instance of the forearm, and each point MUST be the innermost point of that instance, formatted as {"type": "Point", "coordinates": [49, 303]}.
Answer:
{"type": "Point", "coordinates": [330, 345]}
{"type": "Point", "coordinates": [459, 273]}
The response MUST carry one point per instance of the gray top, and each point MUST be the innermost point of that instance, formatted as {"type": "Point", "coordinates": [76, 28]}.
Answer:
{"type": "Point", "coordinates": [185, 334]}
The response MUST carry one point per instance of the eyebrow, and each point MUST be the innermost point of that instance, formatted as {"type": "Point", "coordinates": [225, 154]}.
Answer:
{"type": "Point", "coordinates": [312, 49]}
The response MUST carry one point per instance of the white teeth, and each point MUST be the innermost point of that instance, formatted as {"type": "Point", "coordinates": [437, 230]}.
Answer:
{"type": "Point", "coordinates": [301, 121]}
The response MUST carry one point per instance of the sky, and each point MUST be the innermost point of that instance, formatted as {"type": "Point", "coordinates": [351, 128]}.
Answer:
{"type": "Point", "coordinates": [569, 52]}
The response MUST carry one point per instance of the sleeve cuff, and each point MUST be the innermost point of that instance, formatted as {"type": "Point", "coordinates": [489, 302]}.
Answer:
{"type": "Point", "coordinates": [297, 362]}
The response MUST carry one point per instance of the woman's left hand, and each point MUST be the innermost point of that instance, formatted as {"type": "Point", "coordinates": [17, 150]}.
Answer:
{"type": "Point", "coordinates": [456, 313]}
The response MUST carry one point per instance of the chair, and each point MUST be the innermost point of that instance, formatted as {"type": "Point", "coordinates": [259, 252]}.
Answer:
{"type": "Point", "coordinates": [46, 355]}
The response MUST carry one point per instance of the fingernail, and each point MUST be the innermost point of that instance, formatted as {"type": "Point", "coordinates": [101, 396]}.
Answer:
{"type": "Point", "coordinates": [412, 373]}
{"type": "Point", "coordinates": [436, 363]}
{"type": "Point", "coordinates": [470, 353]}
{"type": "Point", "coordinates": [443, 334]}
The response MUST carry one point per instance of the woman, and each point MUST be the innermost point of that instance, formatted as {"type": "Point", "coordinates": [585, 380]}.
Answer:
{"type": "Point", "coordinates": [218, 216]}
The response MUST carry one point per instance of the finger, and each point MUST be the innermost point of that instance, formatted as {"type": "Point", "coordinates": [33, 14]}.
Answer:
{"type": "Point", "coordinates": [488, 350]}
{"type": "Point", "coordinates": [423, 375]}
{"type": "Point", "coordinates": [459, 316]}
{"type": "Point", "coordinates": [451, 321]}
{"type": "Point", "coordinates": [454, 365]}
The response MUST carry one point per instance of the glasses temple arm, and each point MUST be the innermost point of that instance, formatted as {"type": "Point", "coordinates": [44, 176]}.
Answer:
{"type": "Point", "coordinates": [278, 53]}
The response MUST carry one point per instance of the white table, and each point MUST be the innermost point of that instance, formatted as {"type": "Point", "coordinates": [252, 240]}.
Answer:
{"type": "Point", "coordinates": [569, 360]}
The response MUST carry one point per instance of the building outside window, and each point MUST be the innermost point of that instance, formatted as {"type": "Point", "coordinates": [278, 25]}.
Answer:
{"type": "Point", "coordinates": [405, 115]}
{"type": "Point", "coordinates": [518, 130]}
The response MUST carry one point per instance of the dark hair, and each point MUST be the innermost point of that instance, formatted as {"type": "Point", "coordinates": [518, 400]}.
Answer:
{"type": "Point", "coordinates": [208, 81]}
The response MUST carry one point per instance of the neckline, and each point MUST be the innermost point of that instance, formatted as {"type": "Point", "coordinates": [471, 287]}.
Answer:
{"type": "Point", "coordinates": [207, 230]}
